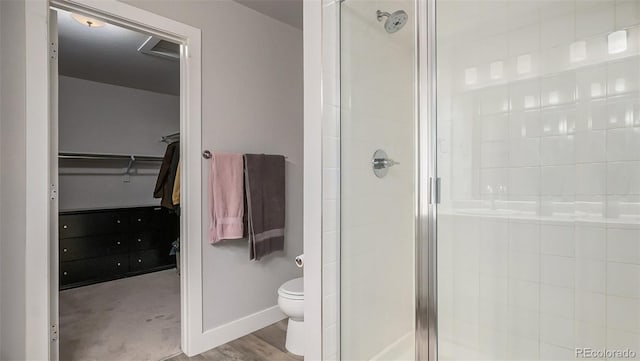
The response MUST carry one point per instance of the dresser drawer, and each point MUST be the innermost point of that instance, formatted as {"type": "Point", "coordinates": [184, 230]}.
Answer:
{"type": "Point", "coordinates": [94, 223]}
{"type": "Point", "coordinates": [152, 258]}
{"type": "Point", "coordinates": [151, 239]}
{"type": "Point", "coordinates": [93, 269]}
{"type": "Point", "coordinates": [94, 246]}
{"type": "Point", "coordinates": [152, 218]}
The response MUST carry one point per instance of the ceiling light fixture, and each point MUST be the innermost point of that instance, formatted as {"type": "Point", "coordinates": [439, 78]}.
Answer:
{"type": "Point", "coordinates": [87, 21]}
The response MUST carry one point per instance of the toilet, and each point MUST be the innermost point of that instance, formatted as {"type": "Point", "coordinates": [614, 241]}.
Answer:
{"type": "Point", "coordinates": [291, 302]}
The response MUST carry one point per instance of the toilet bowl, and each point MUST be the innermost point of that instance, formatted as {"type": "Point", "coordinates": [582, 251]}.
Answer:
{"type": "Point", "coordinates": [291, 302]}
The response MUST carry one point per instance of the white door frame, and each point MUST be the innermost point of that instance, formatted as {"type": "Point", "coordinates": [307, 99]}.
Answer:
{"type": "Point", "coordinates": [39, 243]}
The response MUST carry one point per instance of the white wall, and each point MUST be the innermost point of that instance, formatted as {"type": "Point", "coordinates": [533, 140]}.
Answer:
{"type": "Point", "coordinates": [103, 118]}
{"type": "Point", "coordinates": [12, 185]}
{"type": "Point", "coordinates": [314, 116]}
{"type": "Point", "coordinates": [252, 103]}
{"type": "Point", "coordinates": [1, 117]}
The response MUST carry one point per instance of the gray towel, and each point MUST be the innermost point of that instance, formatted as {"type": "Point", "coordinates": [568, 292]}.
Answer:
{"type": "Point", "coordinates": [265, 190]}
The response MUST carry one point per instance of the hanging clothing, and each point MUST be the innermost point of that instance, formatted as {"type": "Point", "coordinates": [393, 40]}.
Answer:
{"type": "Point", "coordinates": [164, 183]}
{"type": "Point", "coordinates": [176, 187]}
{"type": "Point", "coordinates": [265, 191]}
{"type": "Point", "coordinates": [226, 199]}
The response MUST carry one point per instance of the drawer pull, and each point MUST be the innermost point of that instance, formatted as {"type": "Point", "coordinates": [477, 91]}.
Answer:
{"type": "Point", "coordinates": [139, 240]}
{"type": "Point", "coordinates": [65, 226]}
{"type": "Point", "coordinates": [118, 243]}
{"type": "Point", "coordinates": [118, 264]}
{"type": "Point", "coordinates": [139, 219]}
{"type": "Point", "coordinates": [118, 221]}
{"type": "Point", "coordinates": [64, 273]}
{"type": "Point", "coordinates": [64, 250]}
{"type": "Point", "coordinates": [139, 260]}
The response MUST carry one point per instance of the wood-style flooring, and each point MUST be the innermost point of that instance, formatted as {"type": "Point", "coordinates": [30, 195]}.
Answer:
{"type": "Point", "coordinates": [266, 344]}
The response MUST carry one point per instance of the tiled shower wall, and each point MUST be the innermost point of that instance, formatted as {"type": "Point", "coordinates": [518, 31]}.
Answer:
{"type": "Point", "coordinates": [330, 178]}
{"type": "Point", "coordinates": [376, 214]}
{"type": "Point", "coordinates": [368, 238]}
{"type": "Point", "coordinates": [539, 155]}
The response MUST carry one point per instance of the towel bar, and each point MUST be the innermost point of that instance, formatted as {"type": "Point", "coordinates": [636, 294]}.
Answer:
{"type": "Point", "coordinates": [207, 155]}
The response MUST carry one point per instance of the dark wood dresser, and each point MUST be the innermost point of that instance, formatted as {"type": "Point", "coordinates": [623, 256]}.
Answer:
{"type": "Point", "coordinates": [102, 245]}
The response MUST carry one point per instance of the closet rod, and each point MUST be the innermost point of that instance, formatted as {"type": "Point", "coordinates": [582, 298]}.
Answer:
{"type": "Point", "coordinates": [137, 158]}
{"type": "Point", "coordinates": [170, 137]}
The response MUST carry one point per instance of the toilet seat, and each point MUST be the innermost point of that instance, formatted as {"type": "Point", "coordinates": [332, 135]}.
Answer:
{"type": "Point", "coordinates": [293, 289]}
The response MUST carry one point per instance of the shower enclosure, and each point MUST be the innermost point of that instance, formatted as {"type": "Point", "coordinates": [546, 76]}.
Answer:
{"type": "Point", "coordinates": [482, 180]}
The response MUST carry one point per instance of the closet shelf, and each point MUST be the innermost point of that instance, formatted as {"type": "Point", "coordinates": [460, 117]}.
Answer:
{"type": "Point", "coordinates": [97, 156]}
{"type": "Point", "coordinates": [132, 158]}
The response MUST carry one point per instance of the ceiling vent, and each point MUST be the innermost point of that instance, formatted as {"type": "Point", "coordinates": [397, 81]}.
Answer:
{"type": "Point", "coordinates": [161, 48]}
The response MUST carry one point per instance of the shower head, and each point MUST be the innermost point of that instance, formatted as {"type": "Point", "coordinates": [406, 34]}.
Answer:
{"type": "Point", "coordinates": [395, 21]}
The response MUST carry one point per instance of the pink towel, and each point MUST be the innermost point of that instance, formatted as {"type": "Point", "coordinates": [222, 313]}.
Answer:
{"type": "Point", "coordinates": [226, 197]}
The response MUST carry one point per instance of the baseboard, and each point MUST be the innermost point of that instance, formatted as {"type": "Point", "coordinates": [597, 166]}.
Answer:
{"type": "Point", "coordinates": [235, 329]}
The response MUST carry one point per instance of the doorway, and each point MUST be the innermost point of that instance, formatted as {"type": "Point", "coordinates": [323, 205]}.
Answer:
{"type": "Point", "coordinates": [121, 228]}
{"type": "Point", "coordinates": [118, 196]}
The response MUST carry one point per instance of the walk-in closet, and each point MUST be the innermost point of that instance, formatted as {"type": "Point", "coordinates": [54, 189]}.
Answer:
{"type": "Point", "coordinates": [119, 192]}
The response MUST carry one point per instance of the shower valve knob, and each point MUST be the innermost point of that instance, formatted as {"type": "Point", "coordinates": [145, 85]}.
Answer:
{"type": "Point", "coordinates": [381, 163]}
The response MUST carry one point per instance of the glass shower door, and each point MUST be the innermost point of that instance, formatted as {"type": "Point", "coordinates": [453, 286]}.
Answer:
{"type": "Point", "coordinates": [377, 190]}
{"type": "Point", "coordinates": [538, 117]}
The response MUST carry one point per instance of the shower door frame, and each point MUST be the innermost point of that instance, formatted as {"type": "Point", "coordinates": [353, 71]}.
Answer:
{"type": "Point", "coordinates": [427, 185]}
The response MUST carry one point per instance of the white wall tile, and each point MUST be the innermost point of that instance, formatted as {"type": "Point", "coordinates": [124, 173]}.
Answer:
{"type": "Point", "coordinates": [524, 181]}
{"type": "Point", "coordinates": [627, 13]}
{"type": "Point", "coordinates": [557, 301]}
{"type": "Point", "coordinates": [590, 242]}
{"type": "Point", "coordinates": [591, 115]}
{"type": "Point", "coordinates": [558, 30]}
{"type": "Point", "coordinates": [524, 266]}
{"type": "Point", "coordinates": [524, 40]}
{"type": "Point", "coordinates": [623, 245]}
{"type": "Point", "coordinates": [622, 77]}
{"type": "Point", "coordinates": [623, 178]}
{"type": "Point", "coordinates": [623, 112]}
{"type": "Point", "coordinates": [590, 336]}
{"type": "Point", "coordinates": [590, 147]}
{"type": "Point", "coordinates": [495, 127]}
{"type": "Point", "coordinates": [524, 294]}
{"type": "Point", "coordinates": [524, 124]}
{"type": "Point", "coordinates": [495, 154]}
{"type": "Point", "coordinates": [524, 237]}
{"type": "Point", "coordinates": [591, 82]}
{"type": "Point", "coordinates": [558, 180]}
{"type": "Point", "coordinates": [591, 178]}
{"type": "Point", "coordinates": [329, 247]}
{"type": "Point", "coordinates": [524, 152]}
{"type": "Point", "coordinates": [623, 144]}
{"type": "Point", "coordinates": [557, 331]}
{"type": "Point", "coordinates": [557, 271]}
{"type": "Point", "coordinates": [623, 314]}
{"type": "Point", "coordinates": [591, 308]}
{"type": "Point", "coordinates": [558, 121]}
{"type": "Point", "coordinates": [557, 150]}
{"type": "Point", "coordinates": [623, 279]}
{"type": "Point", "coordinates": [595, 20]}
{"type": "Point", "coordinates": [557, 240]}
{"type": "Point", "coordinates": [591, 275]}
